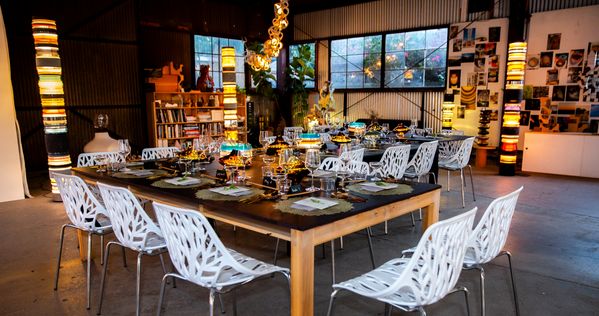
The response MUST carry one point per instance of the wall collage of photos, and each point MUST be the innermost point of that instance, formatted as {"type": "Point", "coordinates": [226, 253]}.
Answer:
{"type": "Point", "coordinates": [562, 73]}
{"type": "Point", "coordinates": [475, 72]}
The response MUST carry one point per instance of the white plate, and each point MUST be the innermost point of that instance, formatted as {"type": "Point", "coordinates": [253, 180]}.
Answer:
{"type": "Point", "coordinates": [377, 186]}
{"type": "Point", "coordinates": [231, 190]}
{"type": "Point", "coordinates": [181, 181]}
{"type": "Point", "coordinates": [310, 204]}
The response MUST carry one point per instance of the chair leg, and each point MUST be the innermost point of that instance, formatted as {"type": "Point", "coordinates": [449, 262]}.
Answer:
{"type": "Point", "coordinates": [234, 294]}
{"type": "Point", "coordinates": [101, 249]}
{"type": "Point", "coordinates": [388, 309]}
{"type": "Point", "coordinates": [124, 257]}
{"type": "Point", "coordinates": [448, 176]}
{"type": "Point", "coordinates": [482, 290]}
{"type": "Point", "coordinates": [222, 304]}
{"type": "Point", "coordinates": [471, 182]}
{"type": "Point", "coordinates": [422, 311]}
{"type": "Point", "coordinates": [460, 289]}
{"type": "Point", "coordinates": [89, 268]}
{"type": "Point", "coordinates": [138, 285]}
{"type": "Point", "coordinates": [103, 282]}
{"type": "Point", "coordinates": [341, 242]}
{"type": "Point", "coordinates": [59, 256]}
{"type": "Point", "coordinates": [413, 220]}
{"type": "Point", "coordinates": [161, 297]}
{"type": "Point", "coordinates": [211, 302]}
{"type": "Point", "coordinates": [333, 261]}
{"type": "Point", "coordinates": [332, 302]}
{"type": "Point", "coordinates": [386, 228]}
{"type": "Point", "coordinates": [509, 258]}
{"type": "Point", "coordinates": [369, 234]}
{"type": "Point", "coordinates": [462, 181]}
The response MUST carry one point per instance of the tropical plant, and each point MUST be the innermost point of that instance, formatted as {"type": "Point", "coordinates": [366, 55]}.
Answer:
{"type": "Point", "coordinates": [262, 79]}
{"type": "Point", "coordinates": [300, 70]}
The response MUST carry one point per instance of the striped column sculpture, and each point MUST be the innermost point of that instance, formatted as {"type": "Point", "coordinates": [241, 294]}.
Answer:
{"type": "Point", "coordinates": [45, 38]}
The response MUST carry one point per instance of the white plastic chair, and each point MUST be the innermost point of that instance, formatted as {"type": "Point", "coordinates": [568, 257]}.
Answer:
{"type": "Point", "coordinates": [331, 164]}
{"type": "Point", "coordinates": [394, 161]}
{"type": "Point", "coordinates": [158, 153]}
{"type": "Point", "coordinates": [428, 276]}
{"type": "Point", "coordinates": [86, 214]}
{"type": "Point", "coordinates": [454, 156]}
{"type": "Point", "coordinates": [489, 237]}
{"type": "Point", "coordinates": [200, 257]}
{"type": "Point", "coordinates": [359, 167]}
{"type": "Point", "coordinates": [91, 159]}
{"type": "Point", "coordinates": [133, 228]}
{"type": "Point", "coordinates": [422, 162]}
{"type": "Point", "coordinates": [355, 154]}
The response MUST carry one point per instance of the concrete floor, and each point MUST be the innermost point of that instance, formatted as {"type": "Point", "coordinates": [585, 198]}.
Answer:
{"type": "Point", "coordinates": [554, 238]}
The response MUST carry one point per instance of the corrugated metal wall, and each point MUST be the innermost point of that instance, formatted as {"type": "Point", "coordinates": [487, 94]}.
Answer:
{"type": "Point", "coordinates": [550, 5]}
{"type": "Point", "coordinates": [160, 47]}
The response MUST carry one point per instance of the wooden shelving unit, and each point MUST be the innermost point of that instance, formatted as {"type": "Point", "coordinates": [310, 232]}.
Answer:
{"type": "Point", "coordinates": [174, 117]}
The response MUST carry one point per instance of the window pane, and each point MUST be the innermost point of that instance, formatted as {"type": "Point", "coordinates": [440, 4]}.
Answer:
{"type": "Point", "coordinates": [338, 80]}
{"type": "Point", "coordinates": [413, 78]}
{"type": "Point", "coordinates": [240, 79]}
{"type": "Point", "coordinates": [394, 42]}
{"type": "Point", "coordinates": [354, 62]}
{"type": "Point", "coordinates": [372, 44]}
{"type": "Point", "coordinates": [394, 79]}
{"type": "Point", "coordinates": [372, 80]}
{"type": "Point", "coordinates": [355, 80]}
{"type": "Point", "coordinates": [355, 45]}
{"type": "Point", "coordinates": [208, 52]}
{"type": "Point", "coordinates": [338, 64]}
{"type": "Point", "coordinates": [435, 58]}
{"type": "Point", "coordinates": [414, 58]}
{"type": "Point", "coordinates": [338, 48]}
{"type": "Point", "coordinates": [436, 38]}
{"type": "Point", "coordinates": [415, 40]}
{"type": "Point", "coordinates": [395, 61]}
{"type": "Point", "coordinates": [434, 77]}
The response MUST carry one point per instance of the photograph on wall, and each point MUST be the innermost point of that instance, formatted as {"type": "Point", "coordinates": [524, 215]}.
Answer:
{"type": "Point", "coordinates": [594, 110]}
{"type": "Point", "coordinates": [576, 57]}
{"type": "Point", "coordinates": [494, 115]}
{"type": "Point", "coordinates": [566, 109]}
{"type": "Point", "coordinates": [546, 59]}
{"type": "Point", "coordinates": [574, 74]}
{"type": "Point", "coordinates": [572, 93]}
{"type": "Point", "coordinates": [494, 99]}
{"type": "Point", "coordinates": [461, 113]}
{"type": "Point", "coordinates": [593, 55]}
{"type": "Point", "coordinates": [493, 75]}
{"type": "Point", "coordinates": [562, 122]}
{"type": "Point", "coordinates": [453, 31]}
{"type": "Point", "coordinates": [553, 41]}
{"type": "Point", "coordinates": [490, 49]}
{"type": "Point", "coordinates": [561, 59]}
{"type": "Point", "coordinates": [454, 61]}
{"type": "Point", "coordinates": [471, 79]}
{"type": "Point", "coordinates": [467, 57]}
{"type": "Point", "coordinates": [591, 87]}
{"type": "Point", "coordinates": [494, 34]}
{"type": "Point", "coordinates": [540, 92]}
{"type": "Point", "coordinates": [479, 50]}
{"type": "Point", "coordinates": [468, 97]}
{"type": "Point", "coordinates": [457, 45]}
{"type": "Point", "coordinates": [593, 126]}
{"type": "Point", "coordinates": [534, 122]}
{"type": "Point", "coordinates": [482, 79]}
{"type": "Point", "coordinates": [479, 64]}
{"type": "Point", "coordinates": [524, 118]}
{"type": "Point", "coordinates": [494, 61]}
{"type": "Point", "coordinates": [533, 61]}
{"type": "Point", "coordinates": [559, 93]}
{"type": "Point", "coordinates": [552, 77]}
{"type": "Point", "coordinates": [469, 37]}
{"type": "Point", "coordinates": [532, 104]}
{"type": "Point", "coordinates": [482, 98]}
{"type": "Point", "coordinates": [454, 78]}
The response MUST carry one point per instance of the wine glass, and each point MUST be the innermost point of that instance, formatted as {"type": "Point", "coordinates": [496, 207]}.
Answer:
{"type": "Point", "coordinates": [124, 150]}
{"type": "Point", "coordinates": [312, 162]}
{"type": "Point", "coordinates": [185, 162]}
{"type": "Point", "coordinates": [246, 155]}
{"type": "Point", "coordinates": [263, 139]}
{"type": "Point", "coordinates": [376, 166]}
{"type": "Point", "coordinates": [344, 154]}
{"type": "Point", "coordinates": [102, 162]}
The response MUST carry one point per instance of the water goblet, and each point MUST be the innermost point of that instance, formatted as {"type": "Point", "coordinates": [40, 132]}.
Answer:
{"type": "Point", "coordinates": [376, 166]}
{"type": "Point", "coordinates": [312, 162]}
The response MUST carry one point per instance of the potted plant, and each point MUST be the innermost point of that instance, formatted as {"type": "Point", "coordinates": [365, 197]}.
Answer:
{"type": "Point", "coordinates": [300, 70]}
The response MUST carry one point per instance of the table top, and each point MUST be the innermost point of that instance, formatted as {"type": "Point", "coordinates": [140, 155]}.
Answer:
{"type": "Point", "coordinates": [263, 211]}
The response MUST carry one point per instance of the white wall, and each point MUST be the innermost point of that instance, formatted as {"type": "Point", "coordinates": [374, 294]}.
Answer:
{"type": "Point", "coordinates": [11, 186]}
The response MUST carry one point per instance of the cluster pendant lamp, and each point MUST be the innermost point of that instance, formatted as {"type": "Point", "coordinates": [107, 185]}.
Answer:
{"type": "Point", "coordinates": [274, 44]}
{"type": "Point", "coordinates": [512, 97]}
{"type": "Point", "coordinates": [45, 38]}
{"type": "Point", "coordinates": [229, 93]}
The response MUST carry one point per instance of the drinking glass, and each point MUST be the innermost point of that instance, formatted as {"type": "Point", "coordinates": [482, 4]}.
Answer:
{"type": "Point", "coordinates": [102, 162]}
{"type": "Point", "coordinates": [185, 163]}
{"type": "Point", "coordinates": [246, 155]}
{"type": "Point", "coordinates": [344, 154]}
{"type": "Point", "coordinates": [263, 139]}
{"type": "Point", "coordinates": [124, 150]}
{"type": "Point", "coordinates": [376, 166]}
{"type": "Point", "coordinates": [312, 163]}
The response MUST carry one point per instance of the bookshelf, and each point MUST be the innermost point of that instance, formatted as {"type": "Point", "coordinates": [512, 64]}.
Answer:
{"type": "Point", "coordinates": [175, 118]}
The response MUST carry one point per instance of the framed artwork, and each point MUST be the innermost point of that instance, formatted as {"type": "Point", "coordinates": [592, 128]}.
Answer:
{"type": "Point", "coordinates": [479, 64]}
{"type": "Point", "coordinates": [457, 45]}
{"type": "Point", "coordinates": [490, 48]}
{"type": "Point", "coordinates": [461, 112]}
{"type": "Point", "coordinates": [482, 98]}
{"type": "Point", "coordinates": [454, 61]}
{"type": "Point", "coordinates": [494, 99]}
{"type": "Point", "coordinates": [494, 61]}
{"type": "Point", "coordinates": [561, 59]}
{"type": "Point", "coordinates": [467, 57]}
{"type": "Point", "coordinates": [468, 97]}
{"type": "Point", "coordinates": [494, 34]}
{"type": "Point", "coordinates": [532, 105]}
{"type": "Point", "coordinates": [533, 61]}
{"type": "Point", "coordinates": [552, 77]}
{"type": "Point", "coordinates": [454, 78]}
{"type": "Point", "coordinates": [559, 94]}
{"type": "Point", "coordinates": [594, 110]}
{"type": "Point", "coordinates": [482, 79]}
{"type": "Point", "coordinates": [540, 92]}
{"type": "Point", "coordinates": [493, 75]}
{"type": "Point", "coordinates": [469, 37]}
{"type": "Point", "coordinates": [453, 31]}
{"type": "Point", "coordinates": [494, 115]}
{"type": "Point", "coordinates": [546, 59]}
{"type": "Point", "coordinates": [553, 41]}
{"type": "Point", "coordinates": [576, 57]}
{"type": "Point", "coordinates": [566, 109]}
{"type": "Point", "coordinates": [534, 122]}
{"type": "Point", "coordinates": [572, 93]}
{"type": "Point", "coordinates": [574, 74]}
{"type": "Point", "coordinates": [479, 50]}
{"type": "Point", "coordinates": [524, 118]}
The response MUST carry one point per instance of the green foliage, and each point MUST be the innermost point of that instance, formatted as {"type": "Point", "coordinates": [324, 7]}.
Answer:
{"type": "Point", "coordinates": [262, 79]}
{"type": "Point", "coordinates": [300, 70]}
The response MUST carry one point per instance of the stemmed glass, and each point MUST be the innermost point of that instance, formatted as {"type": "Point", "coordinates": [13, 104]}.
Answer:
{"type": "Point", "coordinates": [344, 154]}
{"type": "Point", "coordinates": [263, 139]}
{"type": "Point", "coordinates": [246, 155]}
{"type": "Point", "coordinates": [124, 150]}
{"type": "Point", "coordinates": [312, 162]}
{"type": "Point", "coordinates": [376, 166]}
{"type": "Point", "coordinates": [185, 162]}
{"type": "Point", "coordinates": [102, 162]}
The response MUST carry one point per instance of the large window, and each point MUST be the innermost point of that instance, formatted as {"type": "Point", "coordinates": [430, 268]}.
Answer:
{"type": "Point", "coordinates": [411, 60]}
{"type": "Point", "coordinates": [293, 52]}
{"type": "Point", "coordinates": [208, 52]}
{"type": "Point", "coordinates": [272, 71]}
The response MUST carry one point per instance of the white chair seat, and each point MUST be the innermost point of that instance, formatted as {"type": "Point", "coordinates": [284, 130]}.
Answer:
{"type": "Point", "coordinates": [103, 225]}
{"type": "Point", "coordinates": [228, 276]}
{"type": "Point", "coordinates": [453, 166]}
{"type": "Point", "coordinates": [154, 243]}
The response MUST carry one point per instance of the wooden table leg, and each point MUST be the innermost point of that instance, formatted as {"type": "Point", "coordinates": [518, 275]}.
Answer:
{"type": "Point", "coordinates": [302, 273]}
{"type": "Point", "coordinates": [82, 239]}
{"type": "Point", "coordinates": [431, 212]}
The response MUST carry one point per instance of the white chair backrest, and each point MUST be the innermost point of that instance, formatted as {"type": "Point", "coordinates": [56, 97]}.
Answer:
{"type": "Point", "coordinates": [271, 139]}
{"type": "Point", "coordinates": [80, 203]}
{"type": "Point", "coordinates": [325, 137]}
{"type": "Point", "coordinates": [331, 163]}
{"type": "Point", "coordinates": [91, 159]}
{"type": "Point", "coordinates": [434, 268]}
{"type": "Point", "coordinates": [132, 226]}
{"type": "Point", "coordinates": [456, 152]}
{"type": "Point", "coordinates": [355, 154]}
{"type": "Point", "coordinates": [293, 129]}
{"type": "Point", "coordinates": [395, 161]}
{"type": "Point", "coordinates": [490, 235]}
{"type": "Point", "coordinates": [359, 167]}
{"type": "Point", "coordinates": [424, 157]}
{"type": "Point", "coordinates": [158, 153]}
{"type": "Point", "coordinates": [194, 248]}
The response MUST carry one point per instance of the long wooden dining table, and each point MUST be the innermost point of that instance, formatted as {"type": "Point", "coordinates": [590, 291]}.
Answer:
{"type": "Point", "coordinates": [303, 232]}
